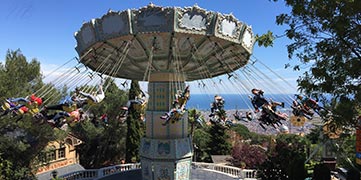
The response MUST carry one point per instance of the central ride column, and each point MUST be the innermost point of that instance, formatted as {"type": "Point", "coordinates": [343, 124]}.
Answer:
{"type": "Point", "coordinates": [166, 150]}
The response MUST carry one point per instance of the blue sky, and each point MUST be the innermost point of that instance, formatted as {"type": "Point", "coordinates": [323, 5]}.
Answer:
{"type": "Point", "coordinates": [44, 29]}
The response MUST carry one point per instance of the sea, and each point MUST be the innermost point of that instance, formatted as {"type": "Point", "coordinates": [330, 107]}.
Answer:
{"type": "Point", "coordinates": [234, 101]}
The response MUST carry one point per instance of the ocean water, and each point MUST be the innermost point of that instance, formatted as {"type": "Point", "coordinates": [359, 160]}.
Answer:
{"type": "Point", "coordinates": [234, 101]}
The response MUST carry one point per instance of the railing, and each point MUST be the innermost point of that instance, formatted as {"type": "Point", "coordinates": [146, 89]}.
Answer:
{"type": "Point", "coordinates": [84, 175]}
{"type": "Point", "coordinates": [93, 174]}
{"type": "Point", "coordinates": [229, 170]}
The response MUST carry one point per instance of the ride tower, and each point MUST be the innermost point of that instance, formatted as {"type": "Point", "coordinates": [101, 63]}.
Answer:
{"type": "Point", "coordinates": [166, 47]}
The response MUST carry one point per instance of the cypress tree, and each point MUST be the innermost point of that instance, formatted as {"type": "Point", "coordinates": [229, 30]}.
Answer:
{"type": "Point", "coordinates": [135, 127]}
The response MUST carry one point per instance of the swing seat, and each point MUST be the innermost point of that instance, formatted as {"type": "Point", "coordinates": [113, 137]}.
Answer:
{"type": "Point", "coordinates": [175, 117]}
{"type": "Point", "coordinates": [72, 124]}
{"type": "Point", "coordinates": [6, 106]}
{"type": "Point", "coordinates": [237, 117]}
{"type": "Point", "coordinates": [90, 102]}
{"type": "Point", "coordinates": [33, 111]}
{"type": "Point", "coordinates": [182, 101]}
{"type": "Point", "coordinates": [70, 120]}
{"type": "Point", "coordinates": [298, 121]}
{"type": "Point", "coordinates": [32, 105]}
{"type": "Point", "coordinates": [139, 107]}
{"type": "Point", "coordinates": [331, 130]}
{"type": "Point", "coordinates": [173, 120]}
{"type": "Point", "coordinates": [70, 108]}
{"type": "Point", "coordinates": [21, 111]}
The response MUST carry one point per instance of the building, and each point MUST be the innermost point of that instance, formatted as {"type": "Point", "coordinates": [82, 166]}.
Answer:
{"type": "Point", "coordinates": [61, 158]}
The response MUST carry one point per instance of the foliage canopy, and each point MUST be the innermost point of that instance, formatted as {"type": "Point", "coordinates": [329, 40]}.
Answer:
{"type": "Point", "coordinates": [326, 34]}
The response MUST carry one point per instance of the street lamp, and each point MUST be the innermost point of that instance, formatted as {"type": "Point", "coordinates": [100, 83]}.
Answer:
{"type": "Point", "coordinates": [54, 174]}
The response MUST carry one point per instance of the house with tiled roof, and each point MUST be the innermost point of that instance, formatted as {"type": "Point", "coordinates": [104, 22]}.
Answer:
{"type": "Point", "coordinates": [61, 158]}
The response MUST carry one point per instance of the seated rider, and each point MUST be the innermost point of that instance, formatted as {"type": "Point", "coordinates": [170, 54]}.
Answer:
{"type": "Point", "coordinates": [258, 100]}
{"type": "Point", "coordinates": [178, 106]}
{"type": "Point", "coordinates": [57, 119]}
{"type": "Point", "coordinates": [217, 105]}
{"type": "Point", "coordinates": [68, 105]}
{"type": "Point", "coordinates": [77, 115]}
{"type": "Point", "coordinates": [267, 117]}
{"type": "Point", "coordinates": [307, 102]}
{"type": "Point", "coordinates": [140, 100]}
{"type": "Point", "coordinates": [183, 97]}
{"type": "Point", "coordinates": [61, 117]}
{"type": "Point", "coordinates": [239, 116]}
{"type": "Point", "coordinates": [90, 98]}
{"type": "Point", "coordinates": [198, 118]}
{"type": "Point", "coordinates": [174, 114]}
{"type": "Point", "coordinates": [32, 103]}
{"type": "Point", "coordinates": [274, 105]}
{"type": "Point", "coordinates": [218, 114]}
{"type": "Point", "coordinates": [8, 106]}
{"type": "Point", "coordinates": [302, 105]}
{"type": "Point", "coordinates": [268, 110]}
{"type": "Point", "coordinates": [270, 115]}
{"type": "Point", "coordinates": [104, 119]}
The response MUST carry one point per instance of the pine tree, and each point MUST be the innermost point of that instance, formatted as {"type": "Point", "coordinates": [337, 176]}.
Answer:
{"type": "Point", "coordinates": [20, 141]}
{"type": "Point", "coordinates": [218, 142]}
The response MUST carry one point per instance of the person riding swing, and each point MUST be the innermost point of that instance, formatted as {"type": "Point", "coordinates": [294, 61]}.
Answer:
{"type": "Point", "coordinates": [178, 107]}
{"type": "Point", "coordinates": [138, 103]}
{"type": "Point", "coordinates": [22, 105]}
{"type": "Point", "coordinates": [90, 98]}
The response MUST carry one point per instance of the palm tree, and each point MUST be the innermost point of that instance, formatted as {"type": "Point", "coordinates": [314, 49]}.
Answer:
{"type": "Point", "coordinates": [195, 118]}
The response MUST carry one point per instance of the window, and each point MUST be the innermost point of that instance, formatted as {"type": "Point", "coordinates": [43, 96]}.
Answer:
{"type": "Point", "coordinates": [61, 153]}
{"type": "Point", "coordinates": [50, 156]}
{"type": "Point", "coordinates": [50, 153]}
{"type": "Point", "coordinates": [69, 141]}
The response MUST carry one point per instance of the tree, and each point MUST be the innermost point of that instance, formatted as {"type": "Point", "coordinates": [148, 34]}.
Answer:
{"type": "Point", "coordinates": [345, 148]}
{"type": "Point", "coordinates": [195, 119]}
{"type": "Point", "coordinates": [21, 141]}
{"type": "Point", "coordinates": [219, 140]}
{"type": "Point", "coordinates": [286, 159]}
{"type": "Point", "coordinates": [135, 126]}
{"type": "Point", "coordinates": [326, 34]}
{"type": "Point", "coordinates": [201, 141]}
{"type": "Point", "coordinates": [92, 138]}
{"type": "Point", "coordinates": [314, 135]}
{"type": "Point", "coordinates": [19, 77]}
{"type": "Point", "coordinates": [103, 145]}
{"type": "Point", "coordinates": [8, 171]}
{"type": "Point", "coordinates": [241, 130]}
{"type": "Point", "coordinates": [251, 155]}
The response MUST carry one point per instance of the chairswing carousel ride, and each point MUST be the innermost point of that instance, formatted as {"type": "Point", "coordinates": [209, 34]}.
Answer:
{"type": "Point", "coordinates": [177, 45]}
{"type": "Point", "coordinates": [171, 49]}
{"type": "Point", "coordinates": [168, 47]}
{"type": "Point", "coordinates": [165, 47]}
